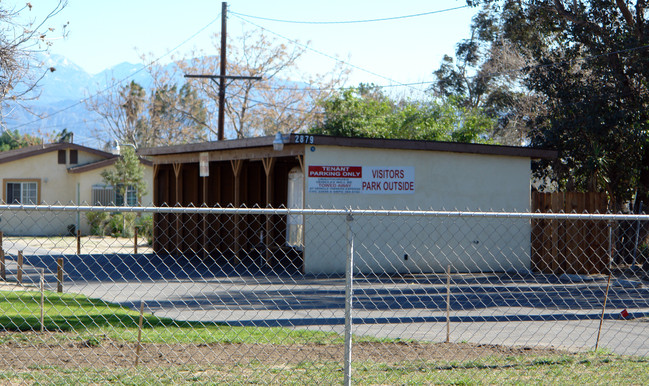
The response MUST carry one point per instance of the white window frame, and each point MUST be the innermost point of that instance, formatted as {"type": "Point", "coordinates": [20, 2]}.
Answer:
{"type": "Point", "coordinates": [29, 191]}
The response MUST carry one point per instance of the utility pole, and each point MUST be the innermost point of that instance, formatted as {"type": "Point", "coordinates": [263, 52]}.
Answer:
{"type": "Point", "coordinates": [224, 25]}
{"type": "Point", "coordinates": [222, 73]}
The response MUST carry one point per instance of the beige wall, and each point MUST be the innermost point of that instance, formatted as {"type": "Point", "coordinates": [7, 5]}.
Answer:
{"type": "Point", "coordinates": [442, 181]}
{"type": "Point", "coordinates": [56, 186]}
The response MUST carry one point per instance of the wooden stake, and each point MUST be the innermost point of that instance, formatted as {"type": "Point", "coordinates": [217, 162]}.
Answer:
{"type": "Point", "coordinates": [139, 334]}
{"type": "Point", "coordinates": [59, 275]}
{"type": "Point", "coordinates": [78, 242]}
{"type": "Point", "coordinates": [135, 241]}
{"type": "Point", "coordinates": [3, 269]}
{"type": "Point", "coordinates": [19, 276]}
{"type": "Point", "coordinates": [42, 286]}
{"type": "Point", "coordinates": [448, 304]}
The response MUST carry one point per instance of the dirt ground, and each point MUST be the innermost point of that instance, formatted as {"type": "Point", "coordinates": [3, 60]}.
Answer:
{"type": "Point", "coordinates": [67, 245]}
{"type": "Point", "coordinates": [26, 354]}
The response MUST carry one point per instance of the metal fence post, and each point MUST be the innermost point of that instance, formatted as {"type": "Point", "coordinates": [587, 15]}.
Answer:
{"type": "Point", "coordinates": [349, 276]}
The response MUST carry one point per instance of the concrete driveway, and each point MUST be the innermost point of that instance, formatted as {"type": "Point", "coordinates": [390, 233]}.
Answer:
{"type": "Point", "coordinates": [520, 310]}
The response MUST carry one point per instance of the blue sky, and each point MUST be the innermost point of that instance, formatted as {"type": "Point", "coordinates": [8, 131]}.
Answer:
{"type": "Point", "coordinates": [105, 33]}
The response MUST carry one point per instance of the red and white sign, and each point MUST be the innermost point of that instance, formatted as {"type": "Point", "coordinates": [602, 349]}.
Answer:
{"type": "Point", "coordinates": [362, 179]}
{"type": "Point", "coordinates": [335, 179]}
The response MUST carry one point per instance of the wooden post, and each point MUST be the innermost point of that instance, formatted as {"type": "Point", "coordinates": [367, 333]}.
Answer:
{"type": "Point", "coordinates": [59, 275]}
{"type": "Point", "coordinates": [236, 169]}
{"type": "Point", "coordinates": [139, 334]}
{"type": "Point", "coordinates": [19, 275]}
{"type": "Point", "coordinates": [204, 217]}
{"type": "Point", "coordinates": [156, 202]}
{"type": "Point", "coordinates": [177, 170]}
{"type": "Point", "coordinates": [3, 269]}
{"type": "Point", "coordinates": [268, 168]}
{"type": "Point", "coordinates": [42, 287]}
{"type": "Point", "coordinates": [78, 241]}
{"type": "Point", "coordinates": [557, 206]}
{"type": "Point", "coordinates": [135, 240]}
{"type": "Point", "coordinates": [448, 304]}
{"type": "Point", "coordinates": [1, 240]}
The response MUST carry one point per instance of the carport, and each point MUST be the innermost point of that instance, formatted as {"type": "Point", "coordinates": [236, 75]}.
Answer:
{"type": "Point", "coordinates": [241, 173]}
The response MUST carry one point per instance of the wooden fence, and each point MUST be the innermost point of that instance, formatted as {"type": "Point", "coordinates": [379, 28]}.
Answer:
{"type": "Point", "coordinates": [570, 246]}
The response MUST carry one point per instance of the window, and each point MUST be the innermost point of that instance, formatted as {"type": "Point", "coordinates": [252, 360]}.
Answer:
{"type": "Point", "coordinates": [103, 195]}
{"type": "Point", "coordinates": [22, 192]}
{"type": "Point", "coordinates": [74, 157]}
{"type": "Point", "coordinates": [131, 197]}
{"type": "Point", "coordinates": [106, 195]}
{"type": "Point", "coordinates": [61, 157]}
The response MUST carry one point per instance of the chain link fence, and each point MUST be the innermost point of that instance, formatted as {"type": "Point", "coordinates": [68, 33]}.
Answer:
{"type": "Point", "coordinates": [239, 295]}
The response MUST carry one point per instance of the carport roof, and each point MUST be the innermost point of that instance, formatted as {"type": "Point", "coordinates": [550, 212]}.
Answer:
{"type": "Point", "coordinates": [323, 140]}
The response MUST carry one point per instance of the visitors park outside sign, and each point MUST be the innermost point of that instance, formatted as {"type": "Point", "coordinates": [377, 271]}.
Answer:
{"type": "Point", "coordinates": [362, 179]}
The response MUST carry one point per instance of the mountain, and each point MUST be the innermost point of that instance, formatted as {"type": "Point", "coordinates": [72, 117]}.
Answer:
{"type": "Point", "coordinates": [67, 82]}
{"type": "Point", "coordinates": [59, 101]}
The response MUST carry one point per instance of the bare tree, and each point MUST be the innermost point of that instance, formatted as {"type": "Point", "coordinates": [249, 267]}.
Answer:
{"type": "Point", "coordinates": [283, 101]}
{"type": "Point", "coordinates": [166, 113]}
{"type": "Point", "coordinates": [20, 70]}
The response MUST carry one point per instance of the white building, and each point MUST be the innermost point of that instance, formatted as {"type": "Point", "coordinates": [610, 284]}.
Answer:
{"type": "Point", "coordinates": [334, 172]}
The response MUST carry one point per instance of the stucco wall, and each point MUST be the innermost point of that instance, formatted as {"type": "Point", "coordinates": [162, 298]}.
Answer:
{"type": "Point", "coordinates": [442, 181]}
{"type": "Point", "coordinates": [56, 186]}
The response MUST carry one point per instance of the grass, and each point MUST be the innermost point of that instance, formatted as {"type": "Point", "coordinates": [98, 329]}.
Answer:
{"type": "Point", "coordinates": [587, 368]}
{"type": "Point", "coordinates": [20, 312]}
{"type": "Point", "coordinates": [88, 320]}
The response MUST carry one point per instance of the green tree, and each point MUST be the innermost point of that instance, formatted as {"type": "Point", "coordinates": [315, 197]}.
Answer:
{"type": "Point", "coordinates": [588, 64]}
{"type": "Point", "coordinates": [485, 74]}
{"type": "Point", "coordinates": [128, 173]}
{"type": "Point", "coordinates": [64, 136]}
{"type": "Point", "coordinates": [10, 140]}
{"type": "Point", "coordinates": [367, 112]}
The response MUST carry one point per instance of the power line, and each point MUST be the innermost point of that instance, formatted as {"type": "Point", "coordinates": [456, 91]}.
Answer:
{"type": "Point", "coordinates": [115, 84]}
{"type": "Point", "coordinates": [305, 46]}
{"type": "Point", "coordinates": [306, 89]}
{"type": "Point", "coordinates": [350, 21]}
{"type": "Point", "coordinates": [275, 105]}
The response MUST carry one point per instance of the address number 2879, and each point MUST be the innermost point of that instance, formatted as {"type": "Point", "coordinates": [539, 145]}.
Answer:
{"type": "Point", "coordinates": [299, 138]}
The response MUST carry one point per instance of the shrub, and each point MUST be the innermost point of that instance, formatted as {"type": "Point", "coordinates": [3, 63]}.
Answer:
{"type": "Point", "coordinates": [144, 227]}
{"type": "Point", "coordinates": [98, 222]}
{"type": "Point", "coordinates": [121, 224]}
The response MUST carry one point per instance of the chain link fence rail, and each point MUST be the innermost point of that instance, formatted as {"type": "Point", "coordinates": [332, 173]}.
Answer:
{"type": "Point", "coordinates": [250, 295]}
